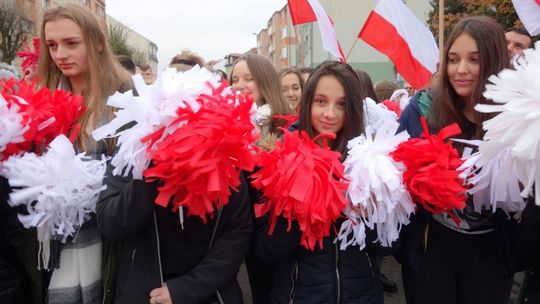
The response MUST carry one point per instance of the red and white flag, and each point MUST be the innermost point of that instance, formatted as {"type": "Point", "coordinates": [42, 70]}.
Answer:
{"type": "Point", "coordinates": [395, 31]}
{"type": "Point", "coordinates": [304, 11]}
{"type": "Point", "coordinates": [529, 14]}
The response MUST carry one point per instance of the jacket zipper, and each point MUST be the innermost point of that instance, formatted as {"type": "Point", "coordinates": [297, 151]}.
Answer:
{"type": "Point", "coordinates": [132, 257]}
{"type": "Point", "coordinates": [337, 275]}
{"type": "Point", "coordinates": [219, 298]}
{"type": "Point", "coordinates": [294, 278]}
{"type": "Point", "coordinates": [105, 293]}
{"type": "Point", "coordinates": [220, 210]}
{"type": "Point", "coordinates": [370, 265]}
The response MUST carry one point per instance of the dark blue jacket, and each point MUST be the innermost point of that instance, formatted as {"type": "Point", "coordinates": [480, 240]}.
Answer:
{"type": "Point", "coordinates": [328, 275]}
{"type": "Point", "coordinates": [410, 250]}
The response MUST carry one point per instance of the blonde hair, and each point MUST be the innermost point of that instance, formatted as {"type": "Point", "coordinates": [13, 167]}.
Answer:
{"type": "Point", "coordinates": [269, 85]}
{"type": "Point", "coordinates": [104, 75]}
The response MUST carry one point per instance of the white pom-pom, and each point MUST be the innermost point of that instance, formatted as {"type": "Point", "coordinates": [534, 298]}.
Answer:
{"type": "Point", "coordinates": [401, 97]}
{"type": "Point", "coordinates": [59, 189]}
{"type": "Point", "coordinates": [495, 184]}
{"type": "Point", "coordinates": [11, 128]}
{"type": "Point", "coordinates": [376, 185]}
{"type": "Point", "coordinates": [352, 231]}
{"type": "Point", "coordinates": [376, 115]}
{"type": "Point", "coordinates": [153, 109]}
{"type": "Point", "coordinates": [516, 94]}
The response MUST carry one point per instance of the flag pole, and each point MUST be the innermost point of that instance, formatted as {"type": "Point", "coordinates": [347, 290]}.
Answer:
{"type": "Point", "coordinates": [299, 50]}
{"type": "Point", "coordinates": [441, 30]}
{"type": "Point", "coordinates": [352, 47]}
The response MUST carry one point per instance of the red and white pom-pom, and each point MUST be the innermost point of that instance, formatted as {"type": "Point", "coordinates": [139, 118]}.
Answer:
{"type": "Point", "coordinates": [516, 94]}
{"type": "Point", "coordinates": [200, 162]}
{"type": "Point", "coordinates": [47, 114]}
{"type": "Point", "coordinates": [59, 188]}
{"type": "Point", "coordinates": [376, 184]}
{"type": "Point", "coordinates": [496, 183]}
{"type": "Point", "coordinates": [153, 110]}
{"type": "Point", "coordinates": [11, 127]}
{"type": "Point", "coordinates": [303, 182]}
{"type": "Point", "coordinates": [432, 176]}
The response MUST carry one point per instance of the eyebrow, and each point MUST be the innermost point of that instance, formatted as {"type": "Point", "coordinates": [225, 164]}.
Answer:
{"type": "Point", "coordinates": [455, 53]}
{"type": "Point", "coordinates": [65, 39]}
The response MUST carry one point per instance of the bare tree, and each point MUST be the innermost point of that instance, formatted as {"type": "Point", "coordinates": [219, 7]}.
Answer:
{"type": "Point", "coordinates": [117, 37]}
{"type": "Point", "coordinates": [13, 29]}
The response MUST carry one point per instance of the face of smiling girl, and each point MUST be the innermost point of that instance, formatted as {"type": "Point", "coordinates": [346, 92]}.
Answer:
{"type": "Point", "coordinates": [463, 66]}
{"type": "Point", "coordinates": [243, 81]}
{"type": "Point", "coordinates": [328, 106]}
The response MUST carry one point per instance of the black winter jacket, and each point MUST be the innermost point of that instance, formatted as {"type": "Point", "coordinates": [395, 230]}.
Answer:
{"type": "Point", "coordinates": [193, 272]}
{"type": "Point", "coordinates": [529, 246]}
{"type": "Point", "coordinates": [328, 275]}
{"type": "Point", "coordinates": [12, 278]}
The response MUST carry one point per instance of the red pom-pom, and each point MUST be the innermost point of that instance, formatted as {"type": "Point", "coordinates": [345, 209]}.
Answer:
{"type": "Point", "coordinates": [47, 114]}
{"type": "Point", "coordinates": [432, 175]}
{"type": "Point", "coordinates": [30, 57]}
{"type": "Point", "coordinates": [200, 162]}
{"type": "Point", "coordinates": [302, 181]}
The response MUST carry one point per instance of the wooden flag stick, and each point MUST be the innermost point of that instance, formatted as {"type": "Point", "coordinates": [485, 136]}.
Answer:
{"type": "Point", "coordinates": [352, 47]}
{"type": "Point", "coordinates": [441, 30]}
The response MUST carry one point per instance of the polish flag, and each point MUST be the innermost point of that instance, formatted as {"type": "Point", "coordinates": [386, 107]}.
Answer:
{"type": "Point", "coordinates": [394, 30]}
{"type": "Point", "coordinates": [305, 11]}
{"type": "Point", "coordinates": [529, 14]}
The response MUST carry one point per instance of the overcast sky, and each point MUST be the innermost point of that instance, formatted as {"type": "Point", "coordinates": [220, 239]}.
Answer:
{"type": "Point", "coordinates": [212, 28]}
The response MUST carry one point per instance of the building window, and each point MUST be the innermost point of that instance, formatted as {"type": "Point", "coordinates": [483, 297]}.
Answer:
{"type": "Point", "coordinates": [284, 33]}
{"type": "Point", "coordinates": [283, 53]}
{"type": "Point", "coordinates": [306, 44]}
{"type": "Point", "coordinates": [85, 2]}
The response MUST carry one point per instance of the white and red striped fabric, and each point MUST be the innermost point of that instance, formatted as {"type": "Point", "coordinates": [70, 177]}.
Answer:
{"type": "Point", "coordinates": [304, 11]}
{"type": "Point", "coordinates": [395, 31]}
{"type": "Point", "coordinates": [529, 14]}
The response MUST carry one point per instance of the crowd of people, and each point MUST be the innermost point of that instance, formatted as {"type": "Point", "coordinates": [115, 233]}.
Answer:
{"type": "Point", "coordinates": [134, 251]}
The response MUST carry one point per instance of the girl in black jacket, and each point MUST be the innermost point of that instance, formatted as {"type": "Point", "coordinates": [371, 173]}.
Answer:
{"type": "Point", "coordinates": [162, 261]}
{"type": "Point", "coordinates": [331, 103]}
{"type": "Point", "coordinates": [474, 261]}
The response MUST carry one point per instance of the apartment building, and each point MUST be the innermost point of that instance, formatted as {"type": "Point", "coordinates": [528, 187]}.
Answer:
{"type": "Point", "coordinates": [139, 42]}
{"type": "Point", "coordinates": [33, 10]}
{"type": "Point", "coordinates": [277, 42]}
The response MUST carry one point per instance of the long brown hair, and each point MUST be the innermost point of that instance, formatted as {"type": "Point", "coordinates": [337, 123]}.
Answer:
{"type": "Point", "coordinates": [267, 81]}
{"type": "Point", "coordinates": [447, 106]}
{"type": "Point", "coordinates": [354, 124]}
{"type": "Point", "coordinates": [104, 75]}
{"type": "Point", "coordinates": [367, 84]}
